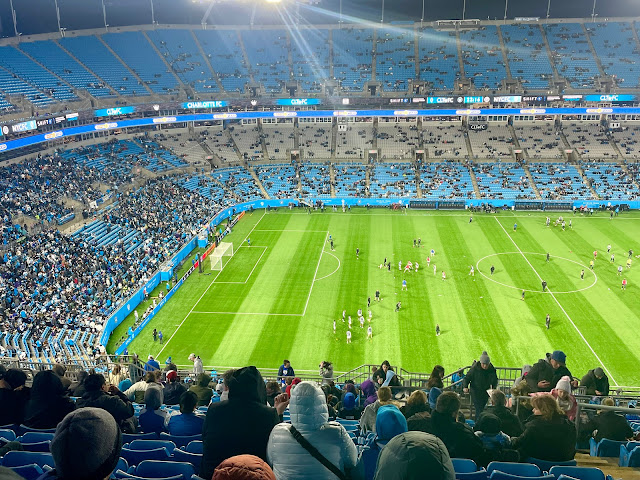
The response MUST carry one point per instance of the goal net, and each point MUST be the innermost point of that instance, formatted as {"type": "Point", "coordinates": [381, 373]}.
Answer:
{"type": "Point", "coordinates": [221, 255]}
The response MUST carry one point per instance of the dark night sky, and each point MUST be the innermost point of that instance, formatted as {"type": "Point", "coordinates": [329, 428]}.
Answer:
{"type": "Point", "coordinates": [78, 14]}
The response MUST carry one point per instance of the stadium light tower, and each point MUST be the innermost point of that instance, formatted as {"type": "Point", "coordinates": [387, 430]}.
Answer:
{"type": "Point", "coordinates": [593, 12]}
{"type": "Point", "coordinates": [153, 15]}
{"type": "Point", "coordinates": [104, 16]}
{"type": "Point", "coordinates": [422, 17]}
{"type": "Point", "coordinates": [382, 16]}
{"type": "Point", "coordinates": [548, 7]}
{"type": "Point", "coordinates": [13, 15]}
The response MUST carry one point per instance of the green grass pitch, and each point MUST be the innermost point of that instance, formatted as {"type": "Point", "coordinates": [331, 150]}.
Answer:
{"type": "Point", "coordinates": [278, 297]}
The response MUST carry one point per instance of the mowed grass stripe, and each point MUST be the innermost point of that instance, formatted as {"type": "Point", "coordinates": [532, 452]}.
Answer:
{"type": "Point", "coordinates": [588, 320]}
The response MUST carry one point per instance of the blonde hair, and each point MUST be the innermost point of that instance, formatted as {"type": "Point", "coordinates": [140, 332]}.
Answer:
{"type": "Point", "coordinates": [547, 406]}
{"type": "Point", "coordinates": [608, 402]}
{"type": "Point", "coordinates": [418, 397]}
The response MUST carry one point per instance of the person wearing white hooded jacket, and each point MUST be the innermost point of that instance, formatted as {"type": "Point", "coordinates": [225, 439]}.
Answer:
{"type": "Point", "coordinates": [309, 415]}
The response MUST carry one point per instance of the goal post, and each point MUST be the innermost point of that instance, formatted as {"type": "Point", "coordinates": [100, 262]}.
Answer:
{"type": "Point", "coordinates": [220, 255]}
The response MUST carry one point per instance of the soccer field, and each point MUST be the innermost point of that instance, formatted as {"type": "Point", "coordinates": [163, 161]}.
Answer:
{"type": "Point", "coordinates": [278, 297]}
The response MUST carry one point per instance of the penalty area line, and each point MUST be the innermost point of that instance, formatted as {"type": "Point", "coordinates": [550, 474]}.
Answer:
{"type": "Point", "coordinates": [556, 300]}
{"type": "Point", "coordinates": [315, 275]}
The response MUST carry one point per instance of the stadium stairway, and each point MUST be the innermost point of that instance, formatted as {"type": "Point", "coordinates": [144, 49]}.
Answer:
{"type": "Point", "coordinates": [117, 57]}
{"type": "Point", "coordinates": [257, 180]}
{"type": "Point", "coordinates": [332, 176]}
{"type": "Point", "coordinates": [207, 61]}
{"type": "Point", "coordinates": [593, 50]}
{"type": "Point", "coordinates": [162, 57]}
{"type": "Point", "coordinates": [474, 180]}
{"type": "Point", "coordinates": [585, 180]}
{"type": "Point", "coordinates": [504, 55]}
{"type": "Point", "coordinates": [549, 53]}
{"type": "Point", "coordinates": [460, 56]}
{"type": "Point", "coordinates": [534, 187]}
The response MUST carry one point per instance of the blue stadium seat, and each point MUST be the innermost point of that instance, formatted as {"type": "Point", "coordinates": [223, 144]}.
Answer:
{"type": "Point", "coordinates": [20, 459]}
{"type": "Point", "coordinates": [477, 475]}
{"type": "Point", "coordinates": [520, 469]}
{"type": "Point", "coordinates": [546, 465]}
{"type": "Point", "coordinates": [130, 437]}
{"type": "Point", "coordinates": [464, 465]}
{"type": "Point", "coordinates": [151, 445]}
{"type": "Point", "coordinates": [154, 469]}
{"type": "Point", "coordinates": [24, 429]}
{"type": "Point", "coordinates": [7, 434]}
{"type": "Point", "coordinates": [179, 440]}
{"type": "Point", "coordinates": [604, 448]}
{"type": "Point", "coordinates": [44, 446]}
{"type": "Point", "coordinates": [581, 473]}
{"type": "Point", "coordinates": [498, 475]}
{"type": "Point", "coordinates": [29, 472]}
{"type": "Point", "coordinates": [134, 457]}
{"type": "Point", "coordinates": [193, 458]}
{"type": "Point", "coordinates": [33, 437]}
{"type": "Point", "coordinates": [121, 474]}
{"type": "Point", "coordinates": [629, 455]}
{"type": "Point", "coordinates": [196, 446]}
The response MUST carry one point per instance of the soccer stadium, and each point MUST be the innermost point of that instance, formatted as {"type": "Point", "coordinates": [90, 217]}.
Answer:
{"type": "Point", "coordinates": [319, 239]}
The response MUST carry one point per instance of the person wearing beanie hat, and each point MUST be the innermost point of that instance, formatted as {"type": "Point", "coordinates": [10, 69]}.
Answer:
{"type": "Point", "coordinates": [595, 382]}
{"type": "Point", "coordinates": [242, 423]}
{"type": "Point", "coordinates": [309, 416]}
{"type": "Point", "coordinates": [369, 392]}
{"type": "Point", "coordinates": [481, 377]}
{"type": "Point", "coordinates": [410, 455]}
{"type": "Point", "coordinates": [566, 401]}
{"type": "Point", "coordinates": [488, 429]}
{"type": "Point", "coordinates": [13, 396]}
{"type": "Point", "coordinates": [174, 388]}
{"type": "Point", "coordinates": [243, 467]}
{"type": "Point", "coordinates": [545, 374]}
{"type": "Point", "coordinates": [48, 403]}
{"type": "Point", "coordinates": [100, 395]}
{"type": "Point", "coordinates": [349, 411]}
{"type": "Point", "coordinates": [368, 418]}
{"type": "Point", "coordinates": [151, 365]}
{"type": "Point", "coordinates": [86, 446]}
{"type": "Point", "coordinates": [151, 418]}
{"type": "Point", "coordinates": [525, 371]}
{"type": "Point", "coordinates": [434, 393]}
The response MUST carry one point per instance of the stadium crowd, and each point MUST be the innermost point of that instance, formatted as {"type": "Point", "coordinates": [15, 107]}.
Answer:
{"type": "Point", "coordinates": [297, 429]}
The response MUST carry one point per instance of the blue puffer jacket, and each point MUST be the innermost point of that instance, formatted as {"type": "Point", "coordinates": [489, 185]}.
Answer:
{"type": "Point", "coordinates": [289, 460]}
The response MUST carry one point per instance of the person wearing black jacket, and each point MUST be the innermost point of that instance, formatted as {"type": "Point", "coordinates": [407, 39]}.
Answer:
{"type": "Point", "coordinates": [608, 424]}
{"type": "Point", "coordinates": [595, 382]}
{"type": "Point", "coordinates": [174, 389]}
{"type": "Point", "coordinates": [482, 376]}
{"type": "Point", "coordinates": [13, 396]}
{"type": "Point", "coordinates": [545, 374]}
{"type": "Point", "coordinates": [48, 403]}
{"type": "Point", "coordinates": [112, 400]}
{"type": "Point", "coordinates": [510, 424]}
{"type": "Point", "coordinates": [242, 424]}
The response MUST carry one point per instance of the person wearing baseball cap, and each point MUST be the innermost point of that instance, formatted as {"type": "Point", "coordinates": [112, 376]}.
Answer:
{"type": "Point", "coordinates": [482, 376]}
{"type": "Point", "coordinates": [596, 382]}
{"type": "Point", "coordinates": [173, 389]}
{"type": "Point", "coordinates": [546, 374]}
{"type": "Point", "coordinates": [558, 363]}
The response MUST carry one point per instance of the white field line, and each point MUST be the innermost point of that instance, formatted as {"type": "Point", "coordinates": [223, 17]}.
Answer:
{"type": "Point", "coordinates": [251, 313]}
{"type": "Point", "coordinates": [207, 289]}
{"type": "Point", "coordinates": [296, 231]}
{"type": "Point", "coordinates": [337, 268]}
{"type": "Point", "coordinates": [561, 307]}
{"type": "Point", "coordinates": [315, 274]}
{"type": "Point", "coordinates": [251, 272]}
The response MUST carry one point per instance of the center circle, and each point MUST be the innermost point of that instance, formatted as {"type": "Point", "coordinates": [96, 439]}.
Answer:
{"type": "Point", "coordinates": [586, 269]}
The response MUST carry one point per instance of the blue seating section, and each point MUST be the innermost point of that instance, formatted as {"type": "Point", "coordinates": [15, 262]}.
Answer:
{"type": "Point", "coordinates": [482, 57]}
{"type": "Point", "coordinates": [49, 54]}
{"type": "Point", "coordinates": [350, 180]}
{"type": "Point", "coordinates": [206, 187]}
{"type": "Point", "coordinates": [92, 52]}
{"type": "Point", "coordinates": [616, 46]}
{"type": "Point", "coordinates": [527, 55]}
{"type": "Point", "coordinates": [238, 180]}
{"type": "Point", "coordinates": [438, 58]}
{"type": "Point", "coordinates": [100, 233]}
{"type": "Point", "coordinates": [134, 49]}
{"type": "Point", "coordinates": [310, 58]}
{"type": "Point", "coordinates": [224, 51]}
{"type": "Point", "coordinates": [268, 54]}
{"type": "Point", "coordinates": [503, 181]}
{"type": "Point", "coordinates": [4, 105]}
{"type": "Point", "coordinates": [610, 181]}
{"type": "Point", "coordinates": [389, 181]}
{"type": "Point", "coordinates": [445, 180]}
{"type": "Point", "coordinates": [556, 181]}
{"type": "Point", "coordinates": [180, 50]}
{"type": "Point", "coordinates": [315, 180]}
{"type": "Point", "coordinates": [279, 180]}
{"type": "Point", "coordinates": [395, 58]}
{"type": "Point", "coordinates": [352, 57]}
{"type": "Point", "coordinates": [572, 55]}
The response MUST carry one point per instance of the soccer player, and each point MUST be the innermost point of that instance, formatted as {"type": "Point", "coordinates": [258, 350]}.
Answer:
{"type": "Point", "coordinates": [332, 245]}
{"type": "Point", "coordinates": [357, 253]}
{"type": "Point", "coordinates": [570, 224]}
{"type": "Point", "coordinates": [377, 295]}
{"type": "Point", "coordinates": [624, 286]}
{"type": "Point", "coordinates": [368, 302]}
{"type": "Point", "coordinates": [609, 248]}
{"type": "Point", "coordinates": [415, 242]}
{"type": "Point", "coordinates": [619, 270]}
{"type": "Point", "coordinates": [361, 322]}
{"type": "Point", "coordinates": [548, 256]}
{"type": "Point", "coordinates": [544, 286]}
{"type": "Point", "coordinates": [334, 327]}
{"type": "Point", "coordinates": [359, 312]}
{"type": "Point", "coordinates": [548, 221]}
{"type": "Point", "coordinates": [433, 252]}
{"type": "Point", "coordinates": [408, 267]}
{"type": "Point", "coordinates": [434, 269]}
{"type": "Point", "coordinates": [548, 321]}
{"type": "Point", "coordinates": [428, 261]}
{"type": "Point", "coordinates": [389, 266]}
{"type": "Point", "coordinates": [472, 272]}
{"type": "Point", "coordinates": [437, 330]}
{"type": "Point", "coordinates": [400, 265]}
{"type": "Point", "coordinates": [613, 257]}
{"type": "Point", "coordinates": [515, 227]}
{"type": "Point", "coordinates": [471, 219]}
{"type": "Point", "coordinates": [248, 242]}
{"type": "Point", "coordinates": [348, 336]}
{"type": "Point", "coordinates": [444, 275]}
{"type": "Point", "coordinates": [344, 315]}
{"type": "Point", "coordinates": [591, 264]}
{"type": "Point", "coordinates": [595, 254]}
{"type": "Point", "coordinates": [522, 297]}
{"type": "Point", "coordinates": [404, 284]}
{"type": "Point", "coordinates": [563, 225]}
{"type": "Point", "coordinates": [369, 332]}
{"type": "Point", "coordinates": [398, 305]}
{"type": "Point", "coordinates": [582, 274]}
{"type": "Point", "coordinates": [385, 262]}
{"type": "Point", "coordinates": [419, 242]}
{"type": "Point", "coordinates": [370, 316]}
{"type": "Point", "coordinates": [417, 266]}
{"type": "Point", "coordinates": [629, 263]}
{"type": "Point", "coordinates": [160, 336]}
{"type": "Point", "coordinates": [349, 321]}
{"type": "Point", "coordinates": [630, 253]}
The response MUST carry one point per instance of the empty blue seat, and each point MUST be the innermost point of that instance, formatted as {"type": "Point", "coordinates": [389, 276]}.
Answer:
{"type": "Point", "coordinates": [29, 472]}
{"type": "Point", "coordinates": [179, 440]}
{"type": "Point", "coordinates": [629, 455]}
{"type": "Point", "coordinates": [498, 475]}
{"type": "Point", "coordinates": [477, 475]}
{"type": "Point", "coordinates": [193, 458]}
{"type": "Point", "coordinates": [582, 473]}
{"type": "Point", "coordinates": [545, 465]}
{"type": "Point", "coordinates": [464, 465]}
{"type": "Point", "coordinates": [604, 448]}
{"type": "Point", "coordinates": [134, 457]}
{"type": "Point", "coordinates": [520, 469]}
{"type": "Point", "coordinates": [152, 444]}
{"type": "Point", "coordinates": [121, 474]}
{"type": "Point", "coordinates": [130, 437]}
{"type": "Point", "coordinates": [196, 446]}
{"type": "Point", "coordinates": [20, 459]}
{"type": "Point", "coordinates": [37, 446]}
{"type": "Point", "coordinates": [155, 469]}
{"type": "Point", "coordinates": [7, 434]}
{"type": "Point", "coordinates": [33, 437]}
{"type": "Point", "coordinates": [24, 429]}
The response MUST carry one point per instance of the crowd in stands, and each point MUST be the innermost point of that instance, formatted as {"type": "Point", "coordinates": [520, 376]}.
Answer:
{"type": "Point", "coordinates": [287, 425]}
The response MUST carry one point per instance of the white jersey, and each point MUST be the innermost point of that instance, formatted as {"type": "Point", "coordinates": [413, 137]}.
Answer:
{"type": "Point", "coordinates": [361, 322]}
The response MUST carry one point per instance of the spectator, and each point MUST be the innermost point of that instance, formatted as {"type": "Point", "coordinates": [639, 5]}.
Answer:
{"type": "Point", "coordinates": [566, 401]}
{"type": "Point", "coordinates": [198, 368]}
{"type": "Point", "coordinates": [294, 381]}
{"type": "Point", "coordinates": [59, 370]}
{"type": "Point", "coordinates": [349, 411]}
{"type": "Point", "coordinates": [13, 396]}
{"type": "Point", "coordinates": [458, 437]}
{"type": "Point", "coordinates": [525, 371]}
{"type": "Point", "coordinates": [416, 403]}
{"type": "Point", "coordinates": [77, 388]}
{"type": "Point", "coordinates": [608, 424]}
{"type": "Point", "coordinates": [434, 393]}
{"type": "Point", "coordinates": [488, 430]}
{"type": "Point", "coordinates": [136, 391]}
{"type": "Point", "coordinates": [409, 455]}
{"type": "Point", "coordinates": [391, 379]}
{"type": "Point", "coordinates": [243, 467]}
{"type": "Point", "coordinates": [245, 419]}
{"type": "Point", "coordinates": [273, 390]}
{"type": "Point", "coordinates": [546, 373]}
{"type": "Point", "coordinates": [522, 408]}
{"type": "Point", "coordinates": [187, 422]}
{"type": "Point", "coordinates": [224, 391]}
{"type": "Point", "coordinates": [116, 376]}
{"type": "Point", "coordinates": [202, 390]}
{"type": "Point", "coordinates": [509, 423]}
{"type": "Point", "coordinates": [456, 380]}
{"type": "Point", "coordinates": [152, 418]}
{"type": "Point", "coordinates": [107, 397]}
{"type": "Point", "coordinates": [435, 380]}
{"type": "Point", "coordinates": [151, 365]}
{"type": "Point", "coordinates": [285, 370]}
{"type": "Point", "coordinates": [548, 434]}
{"type": "Point", "coordinates": [309, 418]}
{"type": "Point", "coordinates": [326, 372]}
{"type": "Point", "coordinates": [174, 388]}
{"type": "Point", "coordinates": [368, 418]}
{"type": "Point", "coordinates": [389, 423]}
{"type": "Point", "coordinates": [48, 403]}
{"type": "Point", "coordinates": [482, 377]}
{"type": "Point", "coordinates": [86, 446]}
{"type": "Point", "coordinates": [380, 375]}
{"type": "Point", "coordinates": [596, 382]}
